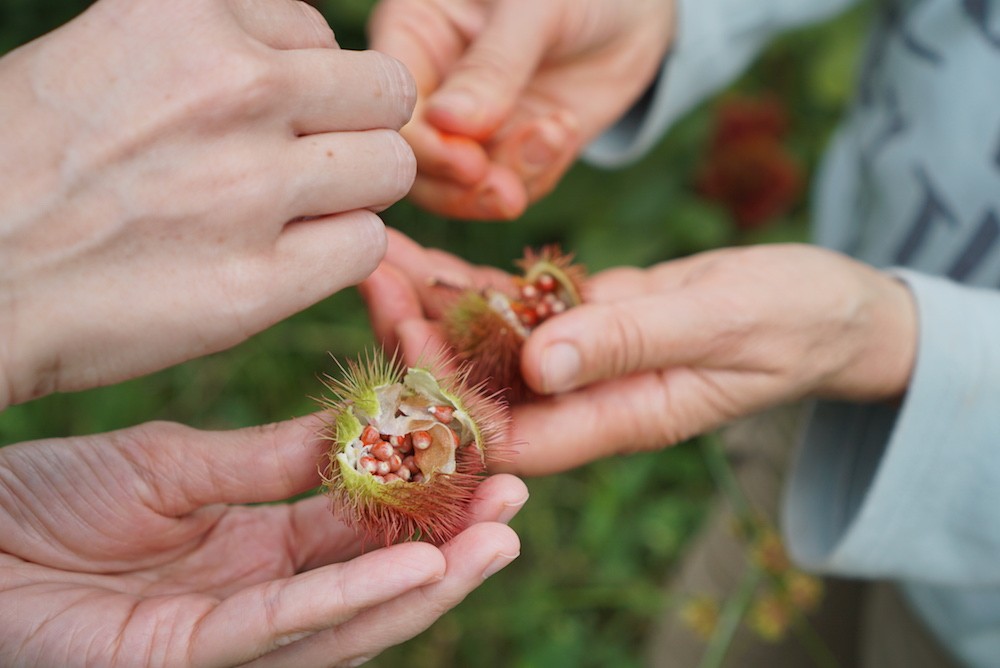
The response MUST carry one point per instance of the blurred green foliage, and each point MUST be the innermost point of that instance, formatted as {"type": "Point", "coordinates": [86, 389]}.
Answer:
{"type": "Point", "coordinates": [598, 542]}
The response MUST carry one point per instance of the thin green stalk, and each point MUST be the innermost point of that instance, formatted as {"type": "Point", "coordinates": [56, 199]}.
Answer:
{"type": "Point", "coordinates": [725, 479]}
{"type": "Point", "coordinates": [732, 614]}
{"type": "Point", "coordinates": [815, 646]}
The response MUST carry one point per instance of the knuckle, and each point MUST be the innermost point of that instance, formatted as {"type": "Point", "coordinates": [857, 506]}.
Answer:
{"type": "Point", "coordinates": [396, 84]}
{"type": "Point", "coordinates": [271, 608]}
{"type": "Point", "coordinates": [627, 337]}
{"type": "Point", "coordinates": [247, 86]}
{"type": "Point", "coordinates": [406, 166]}
{"type": "Point", "coordinates": [368, 248]}
{"type": "Point", "coordinates": [400, 166]}
{"type": "Point", "coordinates": [245, 297]}
{"type": "Point", "coordinates": [318, 23]}
{"type": "Point", "coordinates": [487, 67]}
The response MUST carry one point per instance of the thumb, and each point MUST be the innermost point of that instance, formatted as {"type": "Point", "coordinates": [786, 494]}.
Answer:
{"type": "Point", "coordinates": [482, 88]}
{"type": "Point", "coordinates": [602, 341]}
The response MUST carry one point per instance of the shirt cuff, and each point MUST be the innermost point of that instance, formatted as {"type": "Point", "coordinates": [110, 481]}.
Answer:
{"type": "Point", "coordinates": [910, 491]}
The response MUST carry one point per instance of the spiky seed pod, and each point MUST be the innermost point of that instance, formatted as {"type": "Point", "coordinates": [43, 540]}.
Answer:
{"type": "Point", "coordinates": [553, 271]}
{"type": "Point", "coordinates": [407, 447]}
{"type": "Point", "coordinates": [488, 327]}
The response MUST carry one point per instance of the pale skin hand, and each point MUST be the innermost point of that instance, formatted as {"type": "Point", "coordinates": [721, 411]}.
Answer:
{"type": "Point", "coordinates": [178, 176]}
{"type": "Point", "coordinates": [511, 90]}
{"type": "Point", "coordinates": [122, 549]}
{"type": "Point", "coordinates": [659, 355]}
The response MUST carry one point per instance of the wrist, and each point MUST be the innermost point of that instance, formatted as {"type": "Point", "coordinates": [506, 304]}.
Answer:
{"type": "Point", "coordinates": [883, 365]}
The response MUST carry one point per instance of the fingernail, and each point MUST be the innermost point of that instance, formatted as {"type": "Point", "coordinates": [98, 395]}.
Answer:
{"type": "Point", "coordinates": [511, 509]}
{"type": "Point", "coordinates": [560, 367]}
{"type": "Point", "coordinates": [498, 564]}
{"type": "Point", "coordinates": [543, 145]}
{"type": "Point", "coordinates": [456, 102]}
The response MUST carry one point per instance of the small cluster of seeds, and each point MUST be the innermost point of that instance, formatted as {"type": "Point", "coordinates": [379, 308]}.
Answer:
{"type": "Point", "coordinates": [389, 457]}
{"type": "Point", "coordinates": [539, 300]}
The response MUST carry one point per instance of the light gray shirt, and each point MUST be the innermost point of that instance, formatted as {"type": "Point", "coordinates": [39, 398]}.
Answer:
{"type": "Point", "coordinates": [911, 183]}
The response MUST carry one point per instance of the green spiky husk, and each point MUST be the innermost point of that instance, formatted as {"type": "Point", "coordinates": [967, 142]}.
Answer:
{"type": "Point", "coordinates": [490, 344]}
{"type": "Point", "coordinates": [436, 508]}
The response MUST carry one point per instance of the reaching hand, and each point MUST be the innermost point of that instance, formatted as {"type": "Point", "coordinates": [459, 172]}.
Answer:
{"type": "Point", "coordinates": [177, 176]}
{"type": "Point", "coordinates": [659, 355]}
{"type": "Point", "coordinates": [121, 550]}
{"type": "Point", "coordinates": [511, 90]}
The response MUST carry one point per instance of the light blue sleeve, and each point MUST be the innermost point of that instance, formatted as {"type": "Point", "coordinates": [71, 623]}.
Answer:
{"type": "Point", "coordinates": [715, 41]}
{"type": "Point", "coordinates": [912, 491]}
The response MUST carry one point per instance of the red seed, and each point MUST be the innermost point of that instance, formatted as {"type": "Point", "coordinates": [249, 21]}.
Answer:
{"type": "Point", "coordinates": [546, 283]}
{"type": "Point", "coordinates": [382, 450]}
{"type": "Point", "coordinates": [529, 317]}
{"type": "Point", "coordinates": [370, 435]}
{"type": "Point", "coordinates": [410, 464]}
{"type": "Point", "coordinates": [529, 292]}
{"type": "Point", "coordinates": [421, 440]}
{"type": "Point", "coordinates": [368, 464]}
{"type": "Point", "coordinates": [395, 440]}
{"type": "Point", "coordinates": [417, 477]}
{"type": "Point", "coordinates": [379, 478]}
{"type": "Point", "coordinates": [557, 307]}
{"type": "Point", "coordinates": [543, 310]}
{"type": "Point", "coordinates": [392, 477]}
{"type": "Point", "coordinates": [395, 462]}
{"type": "Point", "coordinates": [443, 414]}
{"type": "Point", "coordinates": [382, 468]}
{"type": "Point", "coordinates": [404, 473]}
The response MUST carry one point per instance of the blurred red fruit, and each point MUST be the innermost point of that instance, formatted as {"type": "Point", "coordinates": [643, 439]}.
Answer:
{"type": "Point", "coordinates": [749, 170]}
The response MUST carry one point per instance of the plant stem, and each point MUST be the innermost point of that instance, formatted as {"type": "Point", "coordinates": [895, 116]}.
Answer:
{"type": "Point", "coordinates": [815, 646]}
{"type": "Point", "coordinates": [725, 479]}
{"type": "Point", "coordinates": [729, 620]}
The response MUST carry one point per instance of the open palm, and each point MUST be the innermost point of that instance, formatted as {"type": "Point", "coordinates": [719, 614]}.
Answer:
{"type": "Point", "coordinates": [124, 549]}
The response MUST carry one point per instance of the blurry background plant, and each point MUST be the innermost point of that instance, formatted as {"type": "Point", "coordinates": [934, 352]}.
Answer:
{"type": "Point", "coordinates": [748, 168]}
{"type": "Point", "coordinates": [773, 599]}
{"type": "Point", "coordinates": [598, 542]}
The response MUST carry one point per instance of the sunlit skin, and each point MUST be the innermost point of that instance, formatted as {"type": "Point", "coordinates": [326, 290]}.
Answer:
{"type": "Point", "coordinates": [209, 168]}
{"type": "Point", "coordinates": [529, 84]}
{"type": "Point", "coordinates": [133, 548]}
{"type": "Point", "coordinates": [155, 194]}
{"type": "Point", "coordinates": [658, 355]}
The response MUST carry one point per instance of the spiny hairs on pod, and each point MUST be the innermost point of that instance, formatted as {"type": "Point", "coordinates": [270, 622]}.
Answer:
{"type": "Point", "coordinates": [488, 327]}
{"type": "Point", "coordinates": [408, 446]}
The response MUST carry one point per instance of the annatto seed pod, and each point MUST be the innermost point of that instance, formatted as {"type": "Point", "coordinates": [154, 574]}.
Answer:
{"type": "Point", "coordinates": [407, 447]}
{"type": "Point", "coordinates": [488, 327]}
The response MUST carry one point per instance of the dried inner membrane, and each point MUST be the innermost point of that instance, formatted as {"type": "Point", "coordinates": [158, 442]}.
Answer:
{"type": "Point", "coordinates": [413, 435]}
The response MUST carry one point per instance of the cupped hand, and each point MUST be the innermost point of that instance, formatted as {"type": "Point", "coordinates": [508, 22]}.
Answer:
{"type": "Point", "coordinates": [179, 176]}
{"type": "Point", "coordinates": [658, 355]}
{"type": "Point", "coordinates": [124, 549]}
{"type": "Point", "coordinates": [511, 90]}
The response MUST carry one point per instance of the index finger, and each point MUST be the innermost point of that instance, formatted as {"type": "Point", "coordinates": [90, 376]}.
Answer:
{"type": "Point", "coordinates": [284, 24]}
{"type": "Point", "coordinates": [331, 90]}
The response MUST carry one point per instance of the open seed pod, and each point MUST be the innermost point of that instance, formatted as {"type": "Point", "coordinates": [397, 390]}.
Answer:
{"type": "Point", "coordinates": [488, 327]}
{"type": "Point", "coordinates": [407, 448]}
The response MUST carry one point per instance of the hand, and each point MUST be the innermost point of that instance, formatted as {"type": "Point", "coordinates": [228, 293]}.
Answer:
{"type": "Point", "coordinates": [179, 176]}
{"type": "Point", "coordinates": [659, 355]}
{"type": "Point", "coordinates": [511, 90]}
{"type": "Point", "coordinates": [121, 550]}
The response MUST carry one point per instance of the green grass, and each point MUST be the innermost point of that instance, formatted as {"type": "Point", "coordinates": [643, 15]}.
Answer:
{"type": "Point", "coordinates": [597, 543]}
